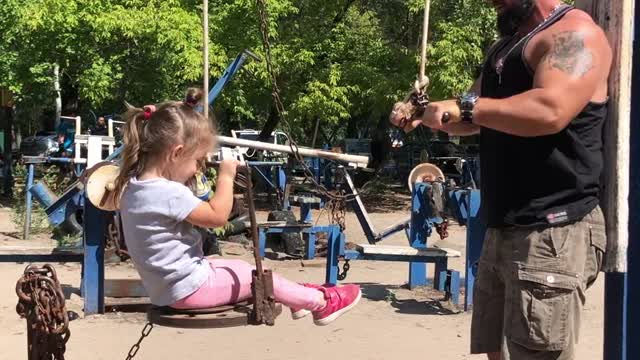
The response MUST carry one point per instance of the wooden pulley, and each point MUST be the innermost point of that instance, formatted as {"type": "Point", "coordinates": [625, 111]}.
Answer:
{"type": "Point", "coordinates": [425, 173]}
{"type": "Point", "coordinates": [100, 182]}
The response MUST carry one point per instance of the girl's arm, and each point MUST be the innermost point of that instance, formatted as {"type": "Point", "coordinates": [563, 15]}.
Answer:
{"type": "Point", "coordinates": [215, 213]}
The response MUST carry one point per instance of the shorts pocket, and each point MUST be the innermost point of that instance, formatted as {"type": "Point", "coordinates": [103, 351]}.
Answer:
{"type": "Point", "coordinates": [541, 309]}
{"type": "Point", "coordinates": [598, 241]}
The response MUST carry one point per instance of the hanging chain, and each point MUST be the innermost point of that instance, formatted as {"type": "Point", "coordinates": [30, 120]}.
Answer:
{"type": "Point", "coordinates": [275, 93]}
{"type": "Point", "coordinates": [41, 302]}
{"type": "Point", "coordinates": [134, 349]}
{"type": "Point", "coordinates": [345, 269]}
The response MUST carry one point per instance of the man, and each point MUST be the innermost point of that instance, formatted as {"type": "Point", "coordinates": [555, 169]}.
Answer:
{"type": "Point", "coordinates": [100, 128]}
{"type": "Point", "coordinates": [539, 107]}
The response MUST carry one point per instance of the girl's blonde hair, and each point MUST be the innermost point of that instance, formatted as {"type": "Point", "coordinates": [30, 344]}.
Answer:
{"type": "Point", "coordinates": [151, 131]}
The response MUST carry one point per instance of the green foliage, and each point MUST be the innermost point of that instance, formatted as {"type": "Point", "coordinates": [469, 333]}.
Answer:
{"type": "Point", "coordinates": [39, 220]}
{"type": "Point", "coordinates": [344, 62]}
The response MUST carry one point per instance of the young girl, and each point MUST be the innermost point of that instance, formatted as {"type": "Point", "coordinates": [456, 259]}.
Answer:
{"type": "Point", "coordinates": [162, 151]}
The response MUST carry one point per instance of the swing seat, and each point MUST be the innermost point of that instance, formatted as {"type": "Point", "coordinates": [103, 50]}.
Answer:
{"type": "Point", "coordinates": [234, 315]}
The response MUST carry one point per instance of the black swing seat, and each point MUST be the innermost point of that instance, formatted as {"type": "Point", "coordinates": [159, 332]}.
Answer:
{"type": "Point", "coordinates": [225, 316]}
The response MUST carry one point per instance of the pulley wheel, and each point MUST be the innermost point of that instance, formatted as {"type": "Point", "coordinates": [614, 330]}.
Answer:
{"type": "Point", "coordinates": [425, 173]}
{"type": "Point", "coordinates": [100, 182]}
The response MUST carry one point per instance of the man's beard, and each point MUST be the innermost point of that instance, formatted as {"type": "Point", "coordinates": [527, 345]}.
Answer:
{"type": "Point", "coordinates": [510, 19]}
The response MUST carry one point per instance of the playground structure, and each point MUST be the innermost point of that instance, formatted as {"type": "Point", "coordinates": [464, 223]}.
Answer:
{"type": "Point", "coordinates": [622, 318]}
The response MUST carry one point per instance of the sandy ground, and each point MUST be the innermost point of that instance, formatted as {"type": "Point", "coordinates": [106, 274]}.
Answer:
{"type": "Point", "coordinates": [390, 322]}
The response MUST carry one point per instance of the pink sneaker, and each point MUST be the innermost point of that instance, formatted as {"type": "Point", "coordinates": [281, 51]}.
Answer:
{"type": "Point", "coordinates": [340, 299]}
{"type": "Point", "coordinates": [297, 314]}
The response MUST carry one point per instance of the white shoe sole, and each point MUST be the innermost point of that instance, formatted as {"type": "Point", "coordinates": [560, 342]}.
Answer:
{"type": "Point", "coordinates": [300, 314]}
{"type": "Point", "coordinates": [335, 315]}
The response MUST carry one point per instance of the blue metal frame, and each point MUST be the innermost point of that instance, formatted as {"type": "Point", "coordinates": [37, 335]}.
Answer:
{"type": "Point", "coordinates": [27, 221]}
{"type": "Point", "coordinates": [92, 286]}
{"type": "Point", "coordinates": [309, 234]}
{"type": "Point", "coordinates": [229, 73]}
{"type": "Point", "coordinates": [422, 222]}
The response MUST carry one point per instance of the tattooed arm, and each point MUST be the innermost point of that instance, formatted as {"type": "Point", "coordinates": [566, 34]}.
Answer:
{"type": "Point", "coordinates": [571, 66]}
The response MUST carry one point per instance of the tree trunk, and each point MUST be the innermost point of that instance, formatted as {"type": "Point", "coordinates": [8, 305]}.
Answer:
{"type": "Point", "coordinates": [7, 170]}
{"type": "Point", "coordinates": [270, 125]}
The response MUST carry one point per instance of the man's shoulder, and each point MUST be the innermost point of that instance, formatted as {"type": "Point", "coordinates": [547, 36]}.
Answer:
{"type": "Point", "coordinates": [576, 29]}
{"type": "Point", "coordinates": [581, 22]}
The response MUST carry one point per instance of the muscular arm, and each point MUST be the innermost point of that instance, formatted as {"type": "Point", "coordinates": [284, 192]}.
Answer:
{"type": "Point", "coordinates": [575, 61]}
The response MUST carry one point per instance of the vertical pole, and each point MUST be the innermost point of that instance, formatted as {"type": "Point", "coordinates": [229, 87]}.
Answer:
{"type": "Point", "coordinates": [56, 88]}
{"type": "Point", "coordinates": [425, 33]}
{"type": "Point", "coordinates": [205, 51]}
{"type": "Point", "coordinates": [310, 244]}
{"type": "Point", "coordinates": [27, 188]}
{"type": "Point", "coordinates": [93, 262]}
{"type": "Point", "coordinates": [419, 234]}
{"type": "Point", "coordinates": [632, 325]}
{"type": "Point", "coordinates": [615, 317]}
{"type": "Point", "coordinates": [475, 239]}
{"type": "Point", "coordinates": [7, 170]}
{"type": "Point", "coordinates": [333, 251]}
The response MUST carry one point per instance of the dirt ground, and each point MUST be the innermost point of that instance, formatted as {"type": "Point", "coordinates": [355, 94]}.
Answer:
{"type": "Point", "coordinates": [390, 322]}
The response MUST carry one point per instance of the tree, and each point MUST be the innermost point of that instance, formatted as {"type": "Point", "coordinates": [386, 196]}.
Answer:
{"type": "Point", "coordinates": [344, 62]}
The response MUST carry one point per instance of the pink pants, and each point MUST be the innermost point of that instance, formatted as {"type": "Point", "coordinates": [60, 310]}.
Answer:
{"type": "Point", "coordinates": [230, 282]}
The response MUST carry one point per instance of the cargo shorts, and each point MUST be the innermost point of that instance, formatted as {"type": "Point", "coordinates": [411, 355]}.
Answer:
{"type": "Point", "coordinates": [530, 288]}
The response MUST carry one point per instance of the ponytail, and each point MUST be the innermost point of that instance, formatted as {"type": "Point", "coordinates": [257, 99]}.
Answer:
{"type": "Point", "coordinates": [132, 163]}
{"type": "Point", "coordinates": [193, 97]}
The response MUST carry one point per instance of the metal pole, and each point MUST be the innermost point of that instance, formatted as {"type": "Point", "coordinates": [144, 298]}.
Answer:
{"type": "Point", "coordinates": [425, 33]}
{"type": "Point", "coordinates": [27, 188]}
{"type": "Point", "coordinates": [56, 88]}
{"type": "Point", "coordinates": [632, 314]}
{"type": "Point", "coordinates": [205, 48]}
{"type": "Point", "coordinates": [303, 151]}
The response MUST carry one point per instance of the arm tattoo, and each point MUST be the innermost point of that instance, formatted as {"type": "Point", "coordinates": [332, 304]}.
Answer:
{"type": "Point", "coordinates": [568, 54]}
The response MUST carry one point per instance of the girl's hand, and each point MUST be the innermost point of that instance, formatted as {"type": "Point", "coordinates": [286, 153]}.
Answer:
{"type": "Point", "coordinates": [228, 167]}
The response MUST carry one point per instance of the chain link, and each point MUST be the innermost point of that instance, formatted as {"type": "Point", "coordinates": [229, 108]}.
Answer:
{"type": "Point", "coordinates": [41, 301]}
{"type": "Point", "coordinates": [345, 269]}
{"type": "Point", "coordinates": [134, 349]}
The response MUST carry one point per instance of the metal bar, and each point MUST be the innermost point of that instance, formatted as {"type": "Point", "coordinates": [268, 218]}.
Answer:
{"type": "Point", "coordinates": [303, 151]}
{"type": "Point", "coordinates": [27, 220]}
{"type": "Point", "coordinates": [310, 244]}
{"type": "Point", "coordinates": [266, 178]}
{"type": "Point", "coordinates": [393, 229]}
{"type": "Point", "coordinates": [475, 238]}
{"type": "Point", "coordinates": [615, 318]}
{"type": "Point", "coordinates": [630, 288]}
{"type": "Point", "coordinates": [28, 258]}
{"type": "Point", "coordinates": [226, 77]}
{"type": "Point", "coordinates": [419, 233]}
{"type": "Point", "coordinates": [454, 287]}
{"type": "Point", "coordinates": [425, 33]}
{"type": "Point", "coordinates": [333, 251]}
{"type": "Point", "coordinates": [359, 209]}
{"type": "Point", "coordinates": [205, 55]}
{"type": "Point", "coordinates": [93, 262]}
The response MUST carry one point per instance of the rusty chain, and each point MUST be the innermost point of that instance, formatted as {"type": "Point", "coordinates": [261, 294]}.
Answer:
{"type": "Point", "coordinates": [115, 238]}
{"type": "Point", "coordinates": [41, 301]}
{"type": "Point", "coordinates": [275, 93]}
{"type": "Point", "coordinates": [134, 349]}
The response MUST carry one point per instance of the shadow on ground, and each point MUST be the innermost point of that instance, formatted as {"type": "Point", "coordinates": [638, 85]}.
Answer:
{"type": "Point", "coordinates": [421, 301]}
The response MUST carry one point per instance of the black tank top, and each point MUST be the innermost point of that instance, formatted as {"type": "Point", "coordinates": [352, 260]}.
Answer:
{"type": "Point", "coordinates": [527, 181]}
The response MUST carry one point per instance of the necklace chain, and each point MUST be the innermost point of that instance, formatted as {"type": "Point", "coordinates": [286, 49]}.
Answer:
{"type": "Point", "coordinates": [501, 60]}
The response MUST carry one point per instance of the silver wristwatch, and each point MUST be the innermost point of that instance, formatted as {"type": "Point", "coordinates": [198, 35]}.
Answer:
{"type": "Point", "coordinates": [466, 103]}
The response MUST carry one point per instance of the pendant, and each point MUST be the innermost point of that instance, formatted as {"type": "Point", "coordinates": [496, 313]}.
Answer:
{"type": "Point", "coordinates": [499, 66]}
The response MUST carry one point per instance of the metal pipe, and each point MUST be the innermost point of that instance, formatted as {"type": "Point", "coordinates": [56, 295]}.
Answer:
{"type": "Point", "coordinates": [205, 33]}
{"type": "Point", "coordinates": [361, 161]}
{"type": "Point", "coordinates": [27, 220]}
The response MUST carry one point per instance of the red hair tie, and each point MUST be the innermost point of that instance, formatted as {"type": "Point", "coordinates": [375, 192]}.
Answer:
{"type": "Point", "coordinates": [148, 110]}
